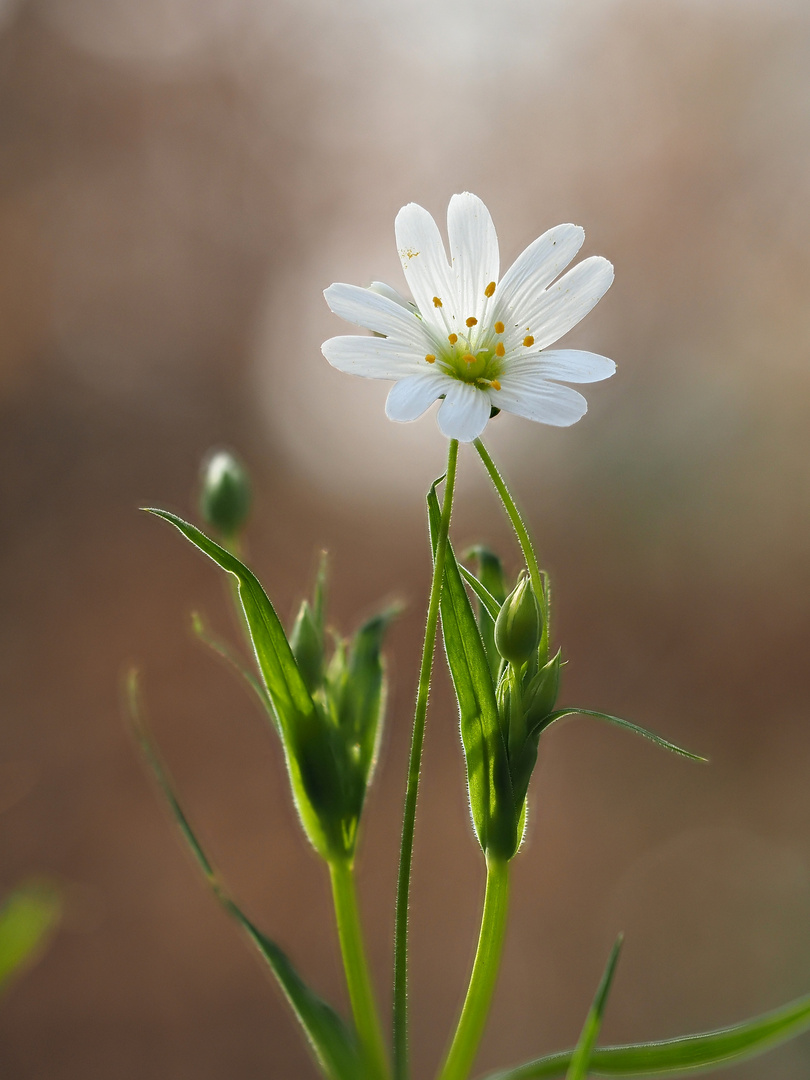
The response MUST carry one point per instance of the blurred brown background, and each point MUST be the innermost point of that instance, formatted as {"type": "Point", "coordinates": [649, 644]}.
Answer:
{"type": "Point", "coordinates": [179, 180]}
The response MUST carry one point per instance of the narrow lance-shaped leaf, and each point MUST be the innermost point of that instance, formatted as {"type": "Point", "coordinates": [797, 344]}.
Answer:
{"type": "Point", "coordinates": [314, 777]}
{"type": "Point", "coordinates": [490, 787]}
{"type": "Point", "coordinates": [682, 1056]}
{"type": "Point", "coordinates": [331, 1040]}
{"type": "Point", "coordinates": [578, 1068]}
{"type": "Point", "coordinates": [489, 582]}
{"type": "Point", "coordinates": [486, 599]}
{"type": "Point", "coordinates": [363, 699]}
{"type": "Point", "coordinates": [618, 722]}
{"type": "Point", "coordinates": [273, 653]}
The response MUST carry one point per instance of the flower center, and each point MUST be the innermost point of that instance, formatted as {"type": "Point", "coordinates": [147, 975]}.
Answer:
{"type": "Point", "coordinates": [468, 361]}
{"type": "Point", "coordinates": [472, 352]}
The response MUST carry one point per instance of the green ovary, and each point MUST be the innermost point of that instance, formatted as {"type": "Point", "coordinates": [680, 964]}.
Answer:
{"type": "Point", "coordinates": [472, 367]}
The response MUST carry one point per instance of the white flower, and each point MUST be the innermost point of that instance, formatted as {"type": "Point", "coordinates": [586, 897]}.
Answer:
{"type": "Point", "coordinates": [476, 341]}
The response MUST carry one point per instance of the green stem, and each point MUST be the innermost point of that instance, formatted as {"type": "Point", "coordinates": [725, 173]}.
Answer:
{"type": "Point", "coordinates": [358, 980]}
{"type": "Point", "coordinates": [522, 534]}
{"type": "Point", "coordinates": [470, 1028]}
{"type": "Point", "coordinates": [400, 1025]}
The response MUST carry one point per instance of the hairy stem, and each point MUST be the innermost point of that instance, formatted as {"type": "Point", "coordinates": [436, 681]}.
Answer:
{"type": "Point", "coordinates": [358, 980]}
{"type": "Point", "coordinates": [400, 1024]}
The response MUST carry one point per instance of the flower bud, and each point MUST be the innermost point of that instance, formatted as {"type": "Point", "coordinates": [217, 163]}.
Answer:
{"type": "Point", "coordinates": [540, 696]}
{"type": "Point", "coordinates": [519, 624]}
{"type": "Point", "coordinates": [224, 492]}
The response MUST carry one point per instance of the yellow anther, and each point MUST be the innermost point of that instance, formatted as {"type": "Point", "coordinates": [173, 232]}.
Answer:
{"type": "Point", "coordinates": [472, 321]}
{"type": "Point", "coordinates": [431, 359]}
{"type": "Point", "coordinates": [499, 328]}
{"type": "Point", "coordinates": [499, 349]}
{"type": "Point", "coordinates": [495, 384]}
{"type": "Point", "coordinates": [468, 358]}
{"type": "Point", "coordinates": [452, 338]}
{"type": "Point", "coordinates": [437, 302]}
{"type": "Point", "coordinates": [528, 341]}
{"type": "Point", "coordinates": [490, 289]}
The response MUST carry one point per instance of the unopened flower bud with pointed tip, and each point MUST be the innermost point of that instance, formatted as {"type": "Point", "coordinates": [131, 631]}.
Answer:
{"type": "Point", "coordinates": [225, 494]}
{"type": "Point", "coordinates": [519, 625]}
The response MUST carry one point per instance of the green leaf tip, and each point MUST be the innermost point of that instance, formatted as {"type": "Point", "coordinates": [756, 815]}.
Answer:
{"type": "Point", "coordinates": [581, 1058]}
{"type": "Point", "coordinates": [682, 1056]}
{"type": "Point", "coordinates": [617, 721]}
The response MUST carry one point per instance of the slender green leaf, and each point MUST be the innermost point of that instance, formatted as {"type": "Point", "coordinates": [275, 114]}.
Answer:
{"type": "Point", "coordinates": [273, 653]}
{"type": "Point", "coordinates": [490, 787]}
{"type": "Point", "coordinates": [27, 917]}
{"type": "Point", "coordinates": [226, 653]}
{"type": "Point", "coordinates": [332, 1042]}
{"type": "Point", "coordinates": [314, 769]}
{"type": "Point", "coordinates": [664, 743]}
{"type": "Point", "coordinates": [319, 600]}
{"type": "Point", "coordinates": [678, 1057]}
{"type": "Point", "coordinates": [578, 1068]}
{"type": "Point", "coordinates": [362, 703]}
{"type": "Point", "coordinates": [491, 595]}
{"type": "Point", "coordinates": [489, 604]}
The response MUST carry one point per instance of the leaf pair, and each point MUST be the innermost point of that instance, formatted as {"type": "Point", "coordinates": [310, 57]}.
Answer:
{"type": "Point", "coordinates": [327, 715]}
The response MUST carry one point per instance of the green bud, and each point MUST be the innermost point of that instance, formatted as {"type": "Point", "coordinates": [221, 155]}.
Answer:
{"type": "Point", "coordinates": [307, 648]}
{"type": "Point", "coordinates": [540, 695]}
{"type": "Point", "coordinates": [519, 624]}
{"type": "Point", "coordinates": [224, 492]}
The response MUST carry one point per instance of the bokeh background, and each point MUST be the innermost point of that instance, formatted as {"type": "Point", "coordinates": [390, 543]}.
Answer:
{"type": "Point", "coordinates": [179, 181]}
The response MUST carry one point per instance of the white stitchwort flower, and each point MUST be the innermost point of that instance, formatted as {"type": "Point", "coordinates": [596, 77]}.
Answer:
{"type": "Point", "coordinates": [479, 342]}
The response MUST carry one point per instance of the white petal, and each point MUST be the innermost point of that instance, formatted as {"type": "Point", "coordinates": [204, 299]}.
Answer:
{"type": "Point", "coordinates": [373, 358]}
{"type": "Point", "coordinates": [464, 412]}
{"type": "Point", "coordinates": [473, 252]}
{"type": "Point", "coordinates": [567, 301]}
{"type": "Point", "coordinates": [410, 397]}
{"type": "Point", "coordinates": [534, 397]}
{"type": "Point", "coordinates": [375, 312]}
{"type": "Point", "coordinates": [425, 265]}
{"type": "Point", "coordinates": [392, 294]}
{"type": "Point", "coordinates": [537, 267]}
{"type": "Point", "coordinates": [567, 365]}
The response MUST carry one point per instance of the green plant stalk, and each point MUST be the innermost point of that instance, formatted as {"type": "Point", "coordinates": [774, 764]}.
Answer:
{"type": "Point", "coordinates": [470, 1028]}
{"type": "Point", "coordinates": [358, 980]}
{"type": "Point", "coordinates": [400, 1017]}
{"type": "Point", "coordinates": [522, 534]}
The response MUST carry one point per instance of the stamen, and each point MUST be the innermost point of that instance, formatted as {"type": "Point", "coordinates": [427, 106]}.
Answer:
{"type": "Point", "coordinates": [528, 341]}
{"type": "Point", "coordinates": [452, 338]}
{"type": "Point", "coordinates": [472, 321]}
{"type": "Point", "coordinates": [499, 349]}
{"type": "Point", "coordinates": [490, 289]}
{"type": "Point", "coordinates": [468, 358]}
{"type": "Point", "coordinates": [499, 328]}
{"type": "Point", "coordinates": [431, 359]}
{"type": "Point", "coordinates": [495, 384]}
{"type": "Point", "coordinates": [437, 302]}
